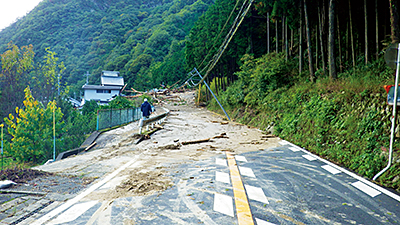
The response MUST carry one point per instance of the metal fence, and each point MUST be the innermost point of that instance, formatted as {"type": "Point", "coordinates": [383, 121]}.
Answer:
{"type": "Point", "coordinates": [114, 117]}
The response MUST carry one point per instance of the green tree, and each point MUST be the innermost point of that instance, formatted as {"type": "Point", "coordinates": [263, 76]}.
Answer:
{"type": "Point", "coordinates": [32, 130]}
{"type": "Point", "coordinates": [15, 65]}
{"type": "Point", "coordinates": [51, 71]}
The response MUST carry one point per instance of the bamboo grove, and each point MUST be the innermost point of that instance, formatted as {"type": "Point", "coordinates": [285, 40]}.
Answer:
{"type": "Point", "coordinates": [325, 37]}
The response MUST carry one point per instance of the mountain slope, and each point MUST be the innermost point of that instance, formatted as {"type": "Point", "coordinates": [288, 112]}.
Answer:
{"type": "Point", "coordinates": [95, 35]}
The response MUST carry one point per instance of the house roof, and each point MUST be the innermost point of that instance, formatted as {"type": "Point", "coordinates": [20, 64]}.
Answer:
{"type": "Point", "coordinates": [100, 87]}
{"type": "Point", "coordinates": [110, 73]}
{"type": "Point", "coordinates": [112, 81]}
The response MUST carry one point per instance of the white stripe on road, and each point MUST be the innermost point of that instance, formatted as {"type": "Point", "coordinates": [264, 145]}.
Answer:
{"type": "Point", "coordinates": [222, 177]}
{"type": "Point", "coordinates": [366, 189]}
{"type": "Point", "coordinates": [73, 213]}
{"type": "Point", "coordinates": [245, 171]}
{"type": "Point", "coordinates": [309, 157]}
{"type": "Point", "coordinates": [221, 162]}
{"type": "Point", "coordinates": [283, 142]}
{"type": "Point", "coordinates": [75, 200]}
{"type": "Point", "coordinates": [113, 183]}
{"type": "Point", "coordinates": [256, 193]}
{"type": "Point", "coordinates": [294, 149]}
{"type": "Point", "coordinates": [331, 169]}
{"type": "Point", "coordinates": [240, 158]}
{"type": "Point", "coordinates": [223, 204]}
{"type": "Point", "coordinates": [376, 187]}
{"type": "Point", "coordinates": [262, 222]}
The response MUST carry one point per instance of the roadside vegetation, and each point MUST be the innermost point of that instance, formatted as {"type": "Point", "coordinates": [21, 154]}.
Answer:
{"type": "Point", "coordinates": [346, 120]}
{"type": "Point", "coordinates": [315, 79]}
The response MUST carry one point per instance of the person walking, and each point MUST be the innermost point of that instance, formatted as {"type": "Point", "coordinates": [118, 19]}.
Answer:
{"type": "Point", "coordinates": [146, 109]}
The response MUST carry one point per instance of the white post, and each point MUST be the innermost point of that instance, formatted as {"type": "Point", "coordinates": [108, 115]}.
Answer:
{"type": "Point", "coordinates": [393, 130]}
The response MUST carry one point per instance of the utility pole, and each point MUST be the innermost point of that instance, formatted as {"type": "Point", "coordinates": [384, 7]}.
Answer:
{"type": "Point", "coordinates": [87, 77]}
{"type": "Point", "coordinates": [58, 84]}
{"type": "Point", "coordinates": [1, 125]}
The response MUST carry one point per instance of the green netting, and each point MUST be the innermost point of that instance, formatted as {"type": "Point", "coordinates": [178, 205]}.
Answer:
{"type": "Point", "coordinates": [115, 117]}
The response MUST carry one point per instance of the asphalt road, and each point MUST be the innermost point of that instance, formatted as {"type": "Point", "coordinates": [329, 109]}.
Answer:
{"type": "Point", "coordinates": [280, 185]}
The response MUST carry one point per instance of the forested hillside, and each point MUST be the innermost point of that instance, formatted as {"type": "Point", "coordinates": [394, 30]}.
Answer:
{"type": "Point", "coordinates": [138, 38]}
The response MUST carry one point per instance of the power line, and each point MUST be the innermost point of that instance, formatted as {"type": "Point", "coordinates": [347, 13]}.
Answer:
{"type": "Point", "coordinates": [192, 81]}
{"type": "Point", "coordinates": [219, 35]}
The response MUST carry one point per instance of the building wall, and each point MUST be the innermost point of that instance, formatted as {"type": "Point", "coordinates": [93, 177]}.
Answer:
{"type": "Point", "coordinates": [93, 95]}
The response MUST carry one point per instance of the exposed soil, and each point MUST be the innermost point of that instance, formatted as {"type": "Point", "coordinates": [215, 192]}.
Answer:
{"type": "Point", "coordinates": [189, 133]}
{"type": "Point", "coordinates": [21, 175]}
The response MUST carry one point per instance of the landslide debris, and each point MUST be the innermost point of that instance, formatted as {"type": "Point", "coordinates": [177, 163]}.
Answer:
{"type": "Point", "coordinates": [22, 175]}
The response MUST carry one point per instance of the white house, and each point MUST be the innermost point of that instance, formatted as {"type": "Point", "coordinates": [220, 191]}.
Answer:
{"type": "Point", "coordinates": [111, 86]}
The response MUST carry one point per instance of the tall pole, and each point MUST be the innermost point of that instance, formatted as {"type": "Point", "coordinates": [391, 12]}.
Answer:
{"type": "Point", "coordinates": [393, 130]}
{"type": "Point", "coordinates": [54, 134]}
{"type": "Point", "coordinates": [1, 125]}
{"type": "Point", "coordinates": [208, 87]}
{"type": "Point", "coordinates": [87, 77]}
{"type": "Point", "coordinates": [58, 84]}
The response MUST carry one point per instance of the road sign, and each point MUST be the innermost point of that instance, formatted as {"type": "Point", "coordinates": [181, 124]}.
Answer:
{"type": "Point", "coordinates": [390, 97]}
{"type": "Point", "coordinates": [391, 55]}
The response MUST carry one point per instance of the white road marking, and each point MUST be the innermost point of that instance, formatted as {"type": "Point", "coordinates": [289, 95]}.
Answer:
{"type": "Point", "coordinates": [256, 193]}
{"type": "Point", "coordinates": [73, 213]}
{"type": "Point", "coordinates": [221, 162]}
{"type": "Point", "coordinates": [309, 157]}
{"type": "Point", "coordinates": [262, 222]}
{"type": "Point", "coordinates": [75, 200]}
{"type": "Point", "coordinates": [222, 177]}
{"type": "Point", "coordinates": [223, 204]}
{"type": "Point", "coordinates": [331, 169]}
{"type": "Point", "coordinates": [353, 175]}
{"type": "Point", "coordinates": [283, 142]}
{"type": "Point", "coordinates": [294, 149]}
{"type": "Point", "coordinates": [366, 189]}
{"type": "Point", "coordinates": [240, 158]}
{"type": "Point", "coordinates": [245, 171]}
{"type": "Point", "coordinates": [113, 183]}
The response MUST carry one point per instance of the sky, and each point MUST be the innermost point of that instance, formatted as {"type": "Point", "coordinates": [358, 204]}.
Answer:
{"type": "Point", "coordinates": [10, 10]}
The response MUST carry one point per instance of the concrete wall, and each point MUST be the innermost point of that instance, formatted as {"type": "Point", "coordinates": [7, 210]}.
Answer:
{"type": "Point", "coordinates": [93, 95]}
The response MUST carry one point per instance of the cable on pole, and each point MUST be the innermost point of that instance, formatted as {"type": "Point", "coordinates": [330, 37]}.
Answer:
{"type": "Point", "coordinates": [191, 81]}
{"type": "Point", "coordinates": [219, 35]}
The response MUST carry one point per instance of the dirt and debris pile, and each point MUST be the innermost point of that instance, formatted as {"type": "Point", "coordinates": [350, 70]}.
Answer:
{"type": "Point", "coordinates": [144, 183]}
{"type": "Point", "coordinates": [21, 175]}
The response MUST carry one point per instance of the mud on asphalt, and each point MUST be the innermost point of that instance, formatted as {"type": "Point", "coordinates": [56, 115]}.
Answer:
{"type": "Point", "coordinates": [157, 158]}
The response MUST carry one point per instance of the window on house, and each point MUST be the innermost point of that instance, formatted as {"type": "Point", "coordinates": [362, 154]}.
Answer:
{"type": "Point", "coordinates": [103, 91]}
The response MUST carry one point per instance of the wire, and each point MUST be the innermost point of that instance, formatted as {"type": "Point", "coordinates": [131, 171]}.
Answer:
{"type": "Point", "coordinates": [241, 15]}
{"type": "Point", "coordinates": [211, 64]}
{"type": "Point", "coordinates": [219, 35]}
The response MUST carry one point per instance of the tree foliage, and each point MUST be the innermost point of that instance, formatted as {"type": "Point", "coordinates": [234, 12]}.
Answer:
{"type": "Point", "coordinates": [107, 35]}
{"type": "Point", "coordinates": [15, 65]}
{"type": "Point", "coordinates": [32, 129]}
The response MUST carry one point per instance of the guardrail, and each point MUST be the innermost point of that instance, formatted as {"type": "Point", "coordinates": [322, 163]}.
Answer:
{"type": "Point", "coordinates": [152, 121]}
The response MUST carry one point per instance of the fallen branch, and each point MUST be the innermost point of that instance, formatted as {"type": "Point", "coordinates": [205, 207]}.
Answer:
{"type": "Point", "coordinates": [22, 192]}
{"type": "Point", "coordinates": [223, 135]}
{"type": "Point", "coordinates": [90, 146]}
{"type": "Point", "coordinates": [135, 96]}
{"type": "Point", "coordinates": [147, 136]}
{"type": "Point", "coordinates": [195, 141]}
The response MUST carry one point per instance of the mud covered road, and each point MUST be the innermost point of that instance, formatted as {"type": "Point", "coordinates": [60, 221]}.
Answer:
{"type": "Point", "coordinates": [199, 169]}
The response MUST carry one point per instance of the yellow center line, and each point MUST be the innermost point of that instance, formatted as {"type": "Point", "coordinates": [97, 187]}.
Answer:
{"type": "Point", "coordinates": [242, 204]}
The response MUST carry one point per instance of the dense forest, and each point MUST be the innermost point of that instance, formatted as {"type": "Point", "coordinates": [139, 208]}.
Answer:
{"type": "Point", "coordinates": [138, 38]}
{"type": "Point", "coordinates": [310, 71]}
{"type": "Point", "coordinates": [323, 37]}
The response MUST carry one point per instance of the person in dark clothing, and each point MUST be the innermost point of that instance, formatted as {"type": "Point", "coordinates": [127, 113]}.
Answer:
{"type": "Point", "coordinates": [146, 109]}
